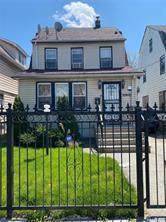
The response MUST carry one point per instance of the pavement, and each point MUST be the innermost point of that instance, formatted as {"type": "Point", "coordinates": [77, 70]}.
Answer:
{"type": "Point", "coordinates": [157, 157]}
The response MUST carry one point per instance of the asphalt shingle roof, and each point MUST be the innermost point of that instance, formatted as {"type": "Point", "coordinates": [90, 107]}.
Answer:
{"type": "Point", "coordinates": [79, 34]}
{"type": "Point", "coordinates": [162, 32]}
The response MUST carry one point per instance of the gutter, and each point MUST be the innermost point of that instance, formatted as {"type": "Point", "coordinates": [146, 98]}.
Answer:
{"type": "Point", "coordinates": [77, 41]}
{"type": "Point", "coordinates": [79, 75]}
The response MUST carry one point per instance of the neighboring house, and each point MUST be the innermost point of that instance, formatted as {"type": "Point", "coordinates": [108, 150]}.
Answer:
{"type": "Point", "coordinates": [152, 85]}
{"type": "Point", "coordinates": [84, 64]}
{"type": "Point", "coordinates": [12, 61]}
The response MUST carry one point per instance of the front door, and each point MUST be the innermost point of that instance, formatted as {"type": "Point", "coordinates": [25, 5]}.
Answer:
{"type": "Point", "coordinates": [111, 96]}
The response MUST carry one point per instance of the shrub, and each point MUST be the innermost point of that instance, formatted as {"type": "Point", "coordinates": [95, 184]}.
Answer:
{"type": "Point", "coordinates": [20, 119]}
{"type": "Point", "coordinates": [27, 138]}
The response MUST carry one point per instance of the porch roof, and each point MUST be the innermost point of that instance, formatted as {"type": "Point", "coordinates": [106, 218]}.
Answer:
{"type": "Point", "coordinates": [36, 74]}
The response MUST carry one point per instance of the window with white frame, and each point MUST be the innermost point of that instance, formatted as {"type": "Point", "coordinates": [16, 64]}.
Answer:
{"type": "Point", "coordinates": [79, 95]}
{"type": "Point", "coordinates": [1, 99]}
{"type": "Point", "coordinates": [51, 59]}
{"type": "Point", "coordinates": [61, 89]}
{"type": "Point", "coordinates": [77, 58]}
{"type": "Point", "coordinates": [43, 95]}
{"type": "Point", "coordinates": [105, 57]}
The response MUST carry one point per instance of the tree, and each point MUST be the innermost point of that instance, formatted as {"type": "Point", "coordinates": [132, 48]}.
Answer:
{"type": "Point", "coordinates": [20, 120]}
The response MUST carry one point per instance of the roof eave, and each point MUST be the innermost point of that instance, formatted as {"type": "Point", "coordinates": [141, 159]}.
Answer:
{"type": "Point", "coordinates": [77, 41]}
{"type": "Point", "coordinates": [79, 75]}
{"type": "Point", "coordinates": [12, 61]}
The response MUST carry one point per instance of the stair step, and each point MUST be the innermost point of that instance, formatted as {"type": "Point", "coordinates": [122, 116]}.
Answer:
{"type": "Point", "coordinates": [123, 149]}
{"type": "Point", "coordinates": [115, 136]}
{"type": "Point", "coordinates": [115, 142]}
{"type": "Point", "coordinates": [117, 129]}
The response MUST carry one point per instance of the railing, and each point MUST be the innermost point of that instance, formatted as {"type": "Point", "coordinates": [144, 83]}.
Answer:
{"type": "Point", "coordinates": [53, 161]}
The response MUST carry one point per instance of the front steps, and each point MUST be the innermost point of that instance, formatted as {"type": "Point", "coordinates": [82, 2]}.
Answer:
{"type": "Point", "coordinates": [116, 139]}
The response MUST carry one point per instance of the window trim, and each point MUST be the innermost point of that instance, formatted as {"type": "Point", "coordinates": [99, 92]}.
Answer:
{"type": "Point", "coordinates": [37, 92]}
{"type": "Point", "coordinates": [82, 58]}
{"type": "Point", "coordinates": [45, 49]}
{"type": "Point", "coordinates": [52, 83]}
{"type": "Point", "coordinates": [111, 57]}
{"type": "Point", "coordinates": [164, 98]}
{"type": "Point", "coordinates": [54, 88]}
{"type": "Point", "coordinates": [150, 45]}
{"type": "Point", "coordinates": [72, 94]}
{"type": "Point", "coordinates": [162, 72]}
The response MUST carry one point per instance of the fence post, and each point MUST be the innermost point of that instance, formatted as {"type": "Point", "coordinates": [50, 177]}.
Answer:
{"type": "Point", "coordinates": [9, 161]}
{"type": "Point", "coordinates": [139, 160]}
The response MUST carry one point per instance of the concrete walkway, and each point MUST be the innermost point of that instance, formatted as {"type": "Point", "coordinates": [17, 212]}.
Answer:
{"type": "Point", "coordinates": [157, 162]}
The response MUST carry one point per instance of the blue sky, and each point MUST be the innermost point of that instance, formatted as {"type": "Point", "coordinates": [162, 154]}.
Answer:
{"type": "Point", "coordinates": [19, 18]}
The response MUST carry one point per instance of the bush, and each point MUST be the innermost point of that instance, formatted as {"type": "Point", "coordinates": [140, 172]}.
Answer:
{"type": "Point", "coordinates": [20, 120]}
{"type": "Point", "coordinates": [27, 138]}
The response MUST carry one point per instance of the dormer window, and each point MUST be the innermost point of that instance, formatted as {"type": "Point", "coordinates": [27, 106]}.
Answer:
{"type": "Point", "coordinates": [150, 45]}
{"type": "Point", "coordinates": [21, 58]}
{"type": "Point", "coordinates": [77, 58]}
{"type": "Point", "coordinates": [51, 59]}
{"type": "Point", "coordinates": [105, 57]}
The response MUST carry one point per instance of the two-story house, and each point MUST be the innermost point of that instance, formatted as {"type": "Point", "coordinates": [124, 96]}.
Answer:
{"type": "Point", "coordinates": [12, 61]}
{"type": "Point", "coordinates": [152, 85]}
{"type": "Point", "coordinates": [84, 64]}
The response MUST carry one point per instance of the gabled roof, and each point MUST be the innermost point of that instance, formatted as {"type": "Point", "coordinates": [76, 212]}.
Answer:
{"type": "Point", "coordinates": [79, 35]}
{"type": "Point", "coordinates": [7, 56]}
{"type": "Point", "coordinates": [161, 29]}
{"type": "Point", "coordinates": [14, 45]}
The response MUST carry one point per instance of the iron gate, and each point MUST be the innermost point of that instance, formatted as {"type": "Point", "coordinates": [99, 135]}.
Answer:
{"type": "Point", "coordinates": [155, 157]}
{"type": "Point", "coordinates": [43, 173]}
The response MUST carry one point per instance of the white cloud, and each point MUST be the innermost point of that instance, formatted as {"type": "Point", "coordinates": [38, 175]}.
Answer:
{"type": "Point", "coordinates": [77, 14]}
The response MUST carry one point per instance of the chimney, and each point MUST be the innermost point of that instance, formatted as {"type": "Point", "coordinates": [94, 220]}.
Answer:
{"type": "Point", "coordinates": [97, 23]}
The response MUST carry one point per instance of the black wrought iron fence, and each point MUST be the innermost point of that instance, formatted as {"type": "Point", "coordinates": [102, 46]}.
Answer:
{"type": "Point", "coordinates": [78, 159]}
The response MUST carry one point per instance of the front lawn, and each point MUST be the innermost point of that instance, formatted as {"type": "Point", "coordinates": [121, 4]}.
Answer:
{"type": "Point", "coordinates": [66, 177]}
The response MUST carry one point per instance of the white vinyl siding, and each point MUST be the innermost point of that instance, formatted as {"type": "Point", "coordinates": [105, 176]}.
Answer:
{"type": "Point", "coordinates": [151, 62]}
{"type": "Point", "coordinates": [91, 55]}
{"type": "Point", "coordinates": [27, 90]}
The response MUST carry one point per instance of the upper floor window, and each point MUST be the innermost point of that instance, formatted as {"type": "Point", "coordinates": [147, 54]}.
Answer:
{"type": "Point", "coordinates": [162, 64]}
{"type": "Point", "coordinates": [77, 58]}
{"type": "Point", "coordinates": [1, 100]}
{"type": "Point", "coordinates": [106, 57]}
{"type": "Point", "coordinates": [44, 95]}
{"type": "Point", "coordinates": [144, 76]}
{"type": "Point", "coordinates": [51, 59]}
{"type": "Point", "coordinates": [150, 45]}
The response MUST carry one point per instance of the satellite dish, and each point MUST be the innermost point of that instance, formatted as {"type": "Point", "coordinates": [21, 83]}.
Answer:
{"type": "Point", "coordinates": [58, 26]}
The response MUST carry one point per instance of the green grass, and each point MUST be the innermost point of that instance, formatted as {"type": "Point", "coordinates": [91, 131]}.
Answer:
{"type": "Point", "coordinates": [69, 179]}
